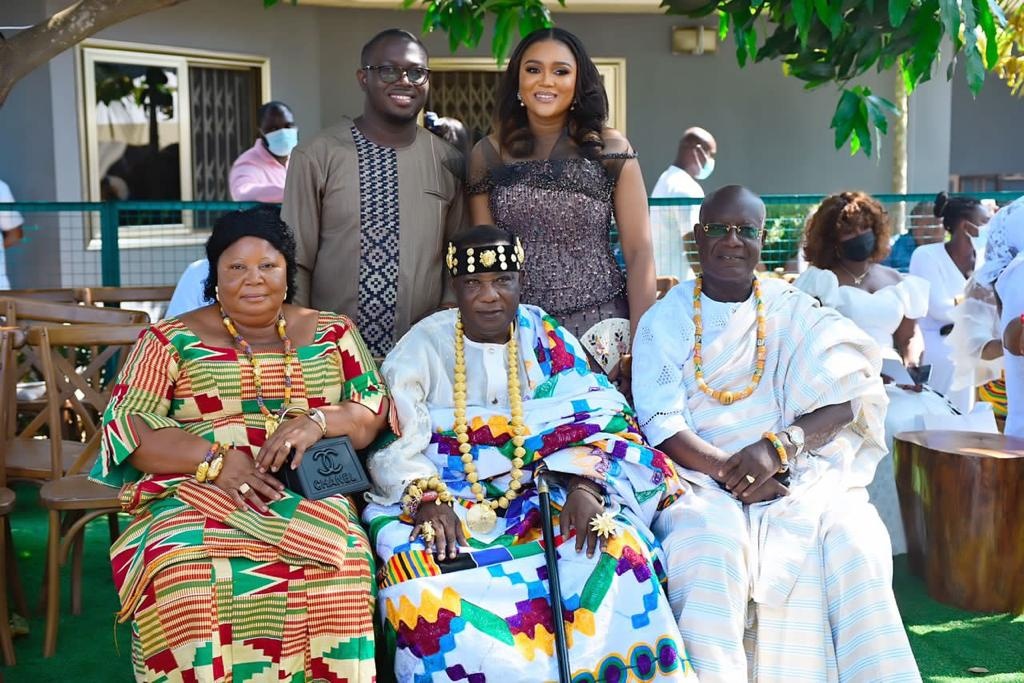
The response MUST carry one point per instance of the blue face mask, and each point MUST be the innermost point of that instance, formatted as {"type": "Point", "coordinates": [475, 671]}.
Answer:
{"type": "Point", "coordinates": [281, 142]}
{"type": "Point", "coordinates": [707, 169]}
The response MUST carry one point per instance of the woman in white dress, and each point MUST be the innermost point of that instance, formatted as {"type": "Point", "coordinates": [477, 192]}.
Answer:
{"type": "Point", "coordinates": [845, 240]}
{"type": "Point", "coordinates": [1004, 270]}
{"type": "Point", "coordinates": [947, 266]}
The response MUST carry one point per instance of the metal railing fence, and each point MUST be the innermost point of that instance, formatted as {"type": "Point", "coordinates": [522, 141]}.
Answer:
{"type": "Point", "coordinates": [141, 243]}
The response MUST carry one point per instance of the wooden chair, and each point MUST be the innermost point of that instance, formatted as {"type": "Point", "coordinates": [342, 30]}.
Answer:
{"type": "Point", "coordinates": [71, 499]}
{"type": "Point", "coordinates": [962, 499]}
{"type": "Point", "coordinates": [29, 457]}
{"type": "Point", "coordinates": [60, 295]}
{"type": "Point", "coordinates": [94, 296]}
{"type": "Point", "coordinates": [8, 570]}
{"type": "Point", "coordinates": [665, 283]}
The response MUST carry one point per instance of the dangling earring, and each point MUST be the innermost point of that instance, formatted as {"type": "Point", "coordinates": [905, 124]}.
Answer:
{"type": "Point", "coordinates": [286, 294]}
{"type": "Point", "coordinates": [573, 105]}
{"type": "Point", "coordinates": [216, 293]}
{"type": "Point", "coordinates": [520, 98]}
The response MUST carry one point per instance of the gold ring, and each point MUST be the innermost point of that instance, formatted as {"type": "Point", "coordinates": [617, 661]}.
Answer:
{"type": "Point", "coordinates": [750, 479]}
{"type": "Point", "coordinates": [427, 532]}
{"type": "Point", "coordinates": [604, 525]}
{"type": "Point", "coordinates": [244, 488]}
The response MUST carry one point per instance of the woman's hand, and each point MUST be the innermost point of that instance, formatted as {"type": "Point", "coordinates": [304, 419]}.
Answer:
{"type": "Point", "coordinates": [749, 468]}
{"type": "Point", "coordinates": [297, 433]}
{"type": "Point", "coordinates": [241, 480]}
{"type": "Point", "coordinates": [447, 529]}
{"type": "Point", "coordinates": [580, 507]}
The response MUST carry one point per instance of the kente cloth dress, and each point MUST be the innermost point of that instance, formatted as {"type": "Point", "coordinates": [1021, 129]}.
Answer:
{"type": "Point", "coordinates": [219, 594]}
{"type": "Point", "coordinates": [485, 616]}
{"type": "Point", "coordinates": [561, 208]}
{"type": "Point", "coordinates": [879, 313]}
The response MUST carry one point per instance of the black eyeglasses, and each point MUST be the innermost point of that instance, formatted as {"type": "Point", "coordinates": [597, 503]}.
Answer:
{"type": "Point", "coordinates": [388, 73]}
{"type": "Point", "coordinates": [747, 232]}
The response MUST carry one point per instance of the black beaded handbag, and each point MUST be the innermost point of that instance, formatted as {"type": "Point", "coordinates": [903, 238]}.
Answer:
{"type": "Point", "coordinates": [330, 467]}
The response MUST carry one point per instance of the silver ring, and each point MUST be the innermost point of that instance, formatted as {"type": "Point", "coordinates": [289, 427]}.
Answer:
{"type": "Point", "coordinates": [750, 479]}
{"type": "Point", "coordinates": [288, 445]}
{"type": "Point", "coordinates": [244, 488]}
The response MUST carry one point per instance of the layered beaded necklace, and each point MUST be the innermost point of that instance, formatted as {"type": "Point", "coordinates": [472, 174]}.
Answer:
{"type": "Point", "coordinates": [482, 517]}
{"type": "Point", "coordinates": [728, 397]}
{"type": "Point", "coordinates": [271, 421]}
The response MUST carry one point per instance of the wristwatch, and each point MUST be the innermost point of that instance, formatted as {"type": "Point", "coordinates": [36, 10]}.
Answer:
{"type": "Point", "coordinates": [317, 416]}
{"type": "Point", "coordinates": [796, 437]}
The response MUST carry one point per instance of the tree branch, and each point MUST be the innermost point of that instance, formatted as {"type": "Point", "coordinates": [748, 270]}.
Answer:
{"type": "Point", "coordinates": [33, 47]}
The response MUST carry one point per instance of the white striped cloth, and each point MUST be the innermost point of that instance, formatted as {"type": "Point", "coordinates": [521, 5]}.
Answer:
{"type": "Point", "coordinates": [793, 589]}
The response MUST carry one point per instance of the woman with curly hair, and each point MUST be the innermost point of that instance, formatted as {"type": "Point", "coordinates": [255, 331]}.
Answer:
{"type": "Point", "coordinates": [555, 176]}
{"type": "Point", "coordinates": [845, 240]}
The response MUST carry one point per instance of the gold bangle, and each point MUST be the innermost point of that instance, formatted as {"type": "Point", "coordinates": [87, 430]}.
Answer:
{"type": "Point", "coordinates": [776, 443]}
{"type": "Point", "coordinates": [203, 470]}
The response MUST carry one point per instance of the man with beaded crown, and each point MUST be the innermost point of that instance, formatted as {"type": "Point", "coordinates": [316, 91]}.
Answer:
{"type": "Point", "coordinates": [772, 408]}
{"type": "Point", "coordinates": [486, 393]}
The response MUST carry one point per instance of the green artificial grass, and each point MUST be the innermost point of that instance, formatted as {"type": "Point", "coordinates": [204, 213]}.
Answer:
{"type": "Point", "coordinates": [91, 647]}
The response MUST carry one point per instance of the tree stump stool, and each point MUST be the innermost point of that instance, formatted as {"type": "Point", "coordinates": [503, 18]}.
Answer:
{"type": "Point", "coordinates": [962, 499]}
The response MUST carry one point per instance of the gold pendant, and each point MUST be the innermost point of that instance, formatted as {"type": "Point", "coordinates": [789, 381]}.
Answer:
{"type": "Point", "coordinates": [481, 518]}
{"type": "Point", "coordinates": [270, 425]}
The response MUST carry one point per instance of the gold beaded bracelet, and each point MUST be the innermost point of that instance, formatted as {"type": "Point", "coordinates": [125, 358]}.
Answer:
{"type": "Point", "coordinates": [209, 469]}
{"type": "Point", "coordinates": [776, 443]}
{"type": "Point", "coordinates": [415, 492]}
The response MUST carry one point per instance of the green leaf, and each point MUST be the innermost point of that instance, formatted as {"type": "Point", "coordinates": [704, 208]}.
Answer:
{"type": "Point", "coordinates": [723, 26]}
{"type": "Point", "coordinates": [502, 34]}
{"type": "Point", "coordinates": [802, 13]}
{"type": "Point", "coordinates": [830, 15]}
{"type": "Point", "coordinates": [949, 11]}
{"type": "Point", "coordinates": [843, 120]}
{"type": "Point", "coordinates": [898, 12]}
{"type": "Point", "coordinates": [861, 131]}
{"type": "Point", "coordinates": [987, 21]}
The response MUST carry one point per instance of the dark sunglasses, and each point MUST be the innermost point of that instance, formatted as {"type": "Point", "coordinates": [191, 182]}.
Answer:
{"type": "Point", "coordinates": [389, 73]}
{"type": "Point", "coordinates": [747, 232]}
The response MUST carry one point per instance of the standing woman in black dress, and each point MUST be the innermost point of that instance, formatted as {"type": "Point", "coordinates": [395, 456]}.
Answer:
{"type": "Point", "coordinates": [555, 176]}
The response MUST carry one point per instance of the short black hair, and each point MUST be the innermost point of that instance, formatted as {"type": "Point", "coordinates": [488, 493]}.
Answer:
{"type": "Point", "coordinates": [482, 236]}
{"type": "Point", "coordinates": [954, 209]}
{"type": "Point", "coordinates": [263, 221]}
{"type": "Point", "coordinates": [267, 108]}
{"type": "Point", "coordinates": [386, 34]}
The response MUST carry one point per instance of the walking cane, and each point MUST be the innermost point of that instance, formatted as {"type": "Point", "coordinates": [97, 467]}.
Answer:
{"type": "Point", "coordinates": [554, 585]}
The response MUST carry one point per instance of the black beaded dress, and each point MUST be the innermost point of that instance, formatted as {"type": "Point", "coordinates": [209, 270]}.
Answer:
{"type": "Point", "coordinates": [561, 209]}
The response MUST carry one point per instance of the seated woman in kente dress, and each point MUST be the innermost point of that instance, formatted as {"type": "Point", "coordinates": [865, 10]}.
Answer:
{"type": "Point", "coordinates": [226, 575]}
{"type": "Point", "coordinates": [487, 393]}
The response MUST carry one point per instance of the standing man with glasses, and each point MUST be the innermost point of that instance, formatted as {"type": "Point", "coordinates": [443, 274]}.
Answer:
{"type": "Point", "coordinates": [373, 200]}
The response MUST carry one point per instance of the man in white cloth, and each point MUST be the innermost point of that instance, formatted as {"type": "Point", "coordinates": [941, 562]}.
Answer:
{"type": "Point", "coordinates": [486, 394]}
{"type": "Point", "coordinates": [772, 407]}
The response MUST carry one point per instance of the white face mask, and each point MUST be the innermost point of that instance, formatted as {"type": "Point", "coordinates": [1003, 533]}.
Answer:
{"type": "Point", "coordinates": [707, 169]}
{"type": "Point", "coordinates": [282, 141]}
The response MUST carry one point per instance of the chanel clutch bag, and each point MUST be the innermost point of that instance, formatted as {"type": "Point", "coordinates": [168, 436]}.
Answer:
{"type": "Point", "coordinates": [329, 467]}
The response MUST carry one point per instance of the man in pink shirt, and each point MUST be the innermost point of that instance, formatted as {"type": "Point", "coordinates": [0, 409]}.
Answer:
{"type": "Point", "coordinates": [258, 174]}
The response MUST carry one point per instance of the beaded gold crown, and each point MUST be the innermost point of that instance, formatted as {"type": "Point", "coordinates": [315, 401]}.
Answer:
{"type": "Point", "coordinates": [494, 258]}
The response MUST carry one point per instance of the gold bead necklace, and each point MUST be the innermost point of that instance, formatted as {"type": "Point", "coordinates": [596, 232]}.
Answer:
{"type": "Point", "coordinates": [728, 397]}
{"type": "Point", "coordinates": [482, 517]}
{"type": "Point", "coordinates": [270, 420]}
